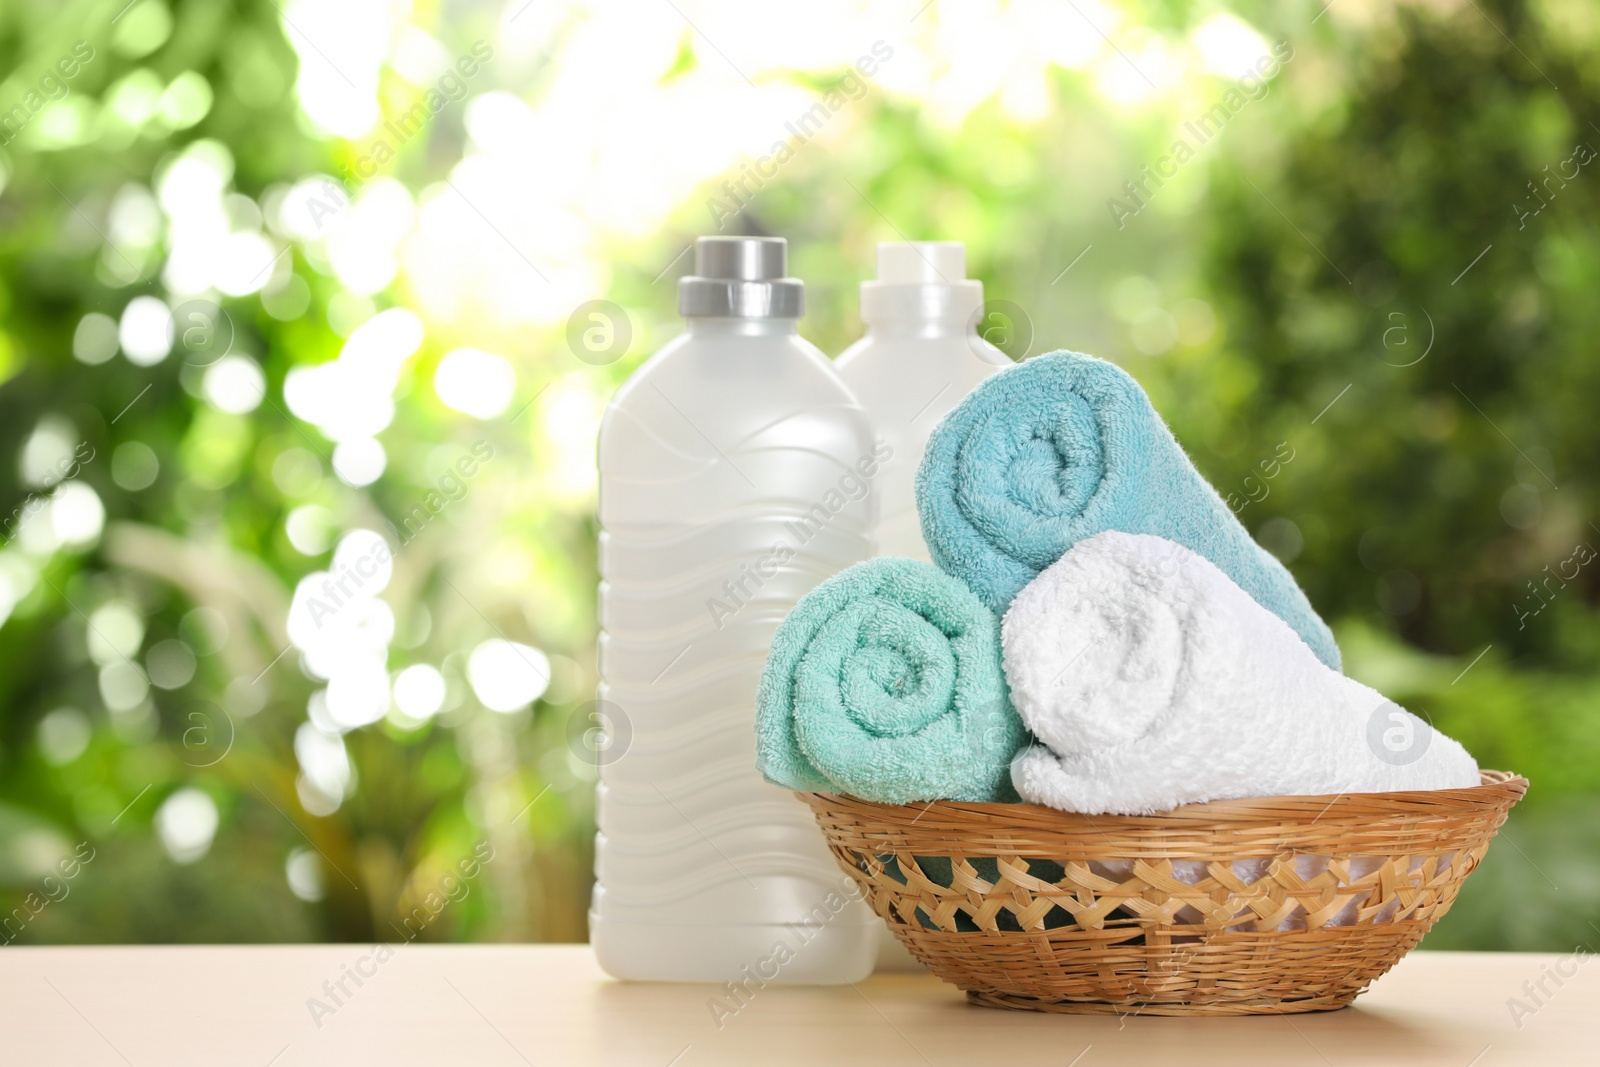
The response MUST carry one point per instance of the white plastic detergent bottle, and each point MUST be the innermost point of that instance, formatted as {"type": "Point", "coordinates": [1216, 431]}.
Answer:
{"type": "Point", "coordinates": [729, 487]}
{"type": "Point", "coordinates": [920, 357]}
{"type": "Point", "coordinates": [922, 354]}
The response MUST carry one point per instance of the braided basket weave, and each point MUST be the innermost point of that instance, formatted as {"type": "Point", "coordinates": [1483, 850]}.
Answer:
{"type": "Point", "coordinates": [1263, 906]}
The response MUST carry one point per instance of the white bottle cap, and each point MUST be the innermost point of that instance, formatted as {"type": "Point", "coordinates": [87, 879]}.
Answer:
{"type": "Point", "coordinates": [922, 262]}
{"type": "Point", "coordinates": [921, 280]}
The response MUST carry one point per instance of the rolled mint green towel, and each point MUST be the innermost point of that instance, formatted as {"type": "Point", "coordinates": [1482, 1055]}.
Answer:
{"type": "Point", "coordinates": [1055, 450]}
{"type": "Point", "coordinates": [885, 683]}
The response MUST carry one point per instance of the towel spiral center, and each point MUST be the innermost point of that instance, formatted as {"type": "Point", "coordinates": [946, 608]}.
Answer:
{"type": "Point", "coordinates": [897, 671]}
{"type": "Point", "coordinates": [1021, 476]}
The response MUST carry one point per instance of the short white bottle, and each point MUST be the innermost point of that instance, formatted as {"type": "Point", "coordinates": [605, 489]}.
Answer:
{"type": "Point", "coordinates": [921, 355]}
{"type": "Point", "coordinates": [721, 466]}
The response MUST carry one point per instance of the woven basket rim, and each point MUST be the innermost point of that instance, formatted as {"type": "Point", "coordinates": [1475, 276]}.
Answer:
{"type": "Point", "coordinates": [1497, 789]}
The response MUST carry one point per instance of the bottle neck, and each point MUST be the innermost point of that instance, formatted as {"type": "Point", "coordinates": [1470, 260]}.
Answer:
{"type": "Point", "coordinates": [902, 310]}
{"type": "Point", "coordinates": [892, 327]}
{"type": "Point", "coordinates": [723, 326]}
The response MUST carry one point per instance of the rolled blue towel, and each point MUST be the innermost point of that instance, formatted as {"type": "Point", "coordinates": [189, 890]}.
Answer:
{"type": "Point", "coordinates": [885, 683]}
{"type": "Point", "coordinates": [1065, 446]}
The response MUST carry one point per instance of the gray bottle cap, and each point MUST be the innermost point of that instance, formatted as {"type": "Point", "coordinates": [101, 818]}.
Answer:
{"type": "Point", "coordinates": [741, 277]}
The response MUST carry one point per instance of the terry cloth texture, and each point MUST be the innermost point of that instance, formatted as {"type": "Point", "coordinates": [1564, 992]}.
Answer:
{"type": "Point", "coordinates": [1065, 446]}
{"type": "Point", "coordinates": [1152, 680]}
{"type": "Point", "coordinates": [885, 683]}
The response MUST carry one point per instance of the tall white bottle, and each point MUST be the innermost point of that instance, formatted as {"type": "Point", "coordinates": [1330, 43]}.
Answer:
{"type": "Point", "coordinates": [921, 355]}
{"type": "Point", "coordinates": [715, 458]}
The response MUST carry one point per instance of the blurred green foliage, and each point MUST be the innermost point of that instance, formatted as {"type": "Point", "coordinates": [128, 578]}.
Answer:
{"type": "Point", "coordinates": [1350, 268]}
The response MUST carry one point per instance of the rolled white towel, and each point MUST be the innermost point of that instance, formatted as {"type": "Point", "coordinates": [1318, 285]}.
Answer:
{"type": "Point", "coordinates": [1155, 681]}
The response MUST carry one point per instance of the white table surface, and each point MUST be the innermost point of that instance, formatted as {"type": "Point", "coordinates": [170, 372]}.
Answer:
{"type": "Point", "coordinates": [491, 1005]}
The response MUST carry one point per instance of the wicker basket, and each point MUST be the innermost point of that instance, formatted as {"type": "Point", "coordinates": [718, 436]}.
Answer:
{"type": "Point", "coordinates": [1262, 906]}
